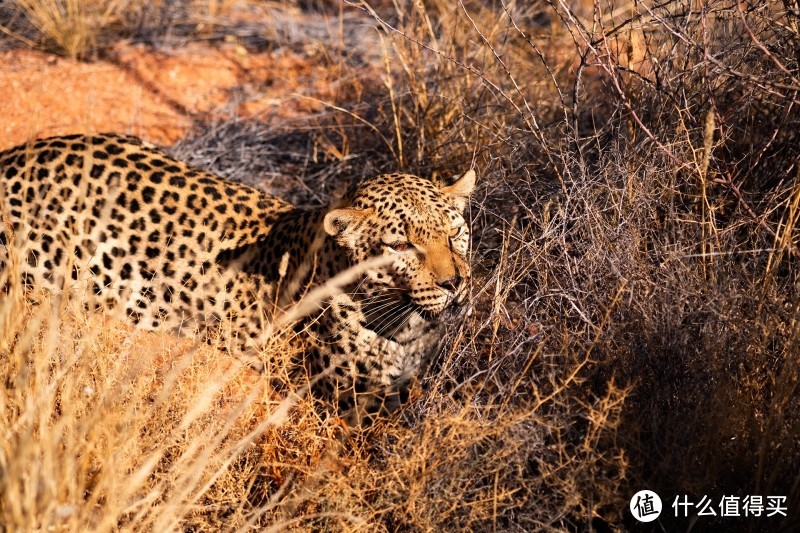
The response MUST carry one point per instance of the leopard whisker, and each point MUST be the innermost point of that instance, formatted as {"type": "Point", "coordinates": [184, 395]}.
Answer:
{"type": "Point", "coordinates": [381, 311]}
{"type": "Point", "coordinates": [401, 313]}
{"type": "Point", "coordinates": [396, 323]}
{"type": "Point", "coordinates": [401, 322]}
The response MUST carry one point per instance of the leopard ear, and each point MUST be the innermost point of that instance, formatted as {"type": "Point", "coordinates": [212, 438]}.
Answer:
{"type": "Point", "coordinates": [460, 190]}
{"type": "Point", "coordinates": [338, 220]}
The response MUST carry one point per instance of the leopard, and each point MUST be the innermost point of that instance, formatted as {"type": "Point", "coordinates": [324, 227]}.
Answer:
{"type": "Point", "coordinates": [119, 223]}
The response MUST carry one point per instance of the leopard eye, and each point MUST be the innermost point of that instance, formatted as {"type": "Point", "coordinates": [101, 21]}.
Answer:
{"type": "Point", "coordinates": [458, 233]}
{"type": "Point", "coordinates": [399, 246]}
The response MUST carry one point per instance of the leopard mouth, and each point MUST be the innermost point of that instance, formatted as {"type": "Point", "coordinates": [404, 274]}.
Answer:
{"type": "Point", "coordinates": [451, 308]}
{"type": "Point", "coordinates": [429, 313]}
{"type": "Point", "coordinates": [393, 307]}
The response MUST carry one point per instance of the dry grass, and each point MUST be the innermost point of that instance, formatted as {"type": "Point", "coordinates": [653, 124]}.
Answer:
{"type": "Point", "coordinates": [633, 321]}
{"type": "Point", "coordinates": [72, 26]}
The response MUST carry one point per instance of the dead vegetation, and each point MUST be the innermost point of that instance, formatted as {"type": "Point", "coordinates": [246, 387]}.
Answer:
{"type": "Point", "coordinates": [633, 319]}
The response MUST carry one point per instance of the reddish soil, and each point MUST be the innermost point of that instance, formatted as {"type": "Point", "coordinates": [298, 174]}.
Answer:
{"type": "Point", "coordinates": [156, 95]}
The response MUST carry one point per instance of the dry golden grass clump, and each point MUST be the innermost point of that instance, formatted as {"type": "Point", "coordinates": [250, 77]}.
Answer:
{"type": "Point", "coordinates": [71, 26]}
{"type": "Point", "coordinates": [633, 318]}
{"type": "Point", "coordinates": [104, 426]}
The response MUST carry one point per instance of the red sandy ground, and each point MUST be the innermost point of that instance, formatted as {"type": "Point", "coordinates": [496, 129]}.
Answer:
{"type": "Point", "coordinates": [154, 95]}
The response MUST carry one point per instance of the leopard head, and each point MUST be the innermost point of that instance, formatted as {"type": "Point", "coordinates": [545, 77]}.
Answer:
{"type": "Point", "coordinates": [421, 229]}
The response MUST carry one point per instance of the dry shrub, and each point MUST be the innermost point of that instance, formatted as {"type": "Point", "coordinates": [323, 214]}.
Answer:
{"type": "Point", "coordinates": [635, 245]}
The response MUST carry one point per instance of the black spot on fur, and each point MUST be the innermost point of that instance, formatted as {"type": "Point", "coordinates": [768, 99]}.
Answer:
{"type": "Point", "coordinates": [213, 192]}
{"type": "Point", "coordinates": [113, 149]}
{"type": "Point", "coordinates": [97, 171]}
{"type": "Point", "coordinates": [46, 156]}
{"type": "Point", "coordinates": [147, 194]}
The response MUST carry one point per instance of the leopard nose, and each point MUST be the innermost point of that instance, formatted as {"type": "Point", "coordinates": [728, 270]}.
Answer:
{"type": "Point", "coordinates": [451, 284]}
